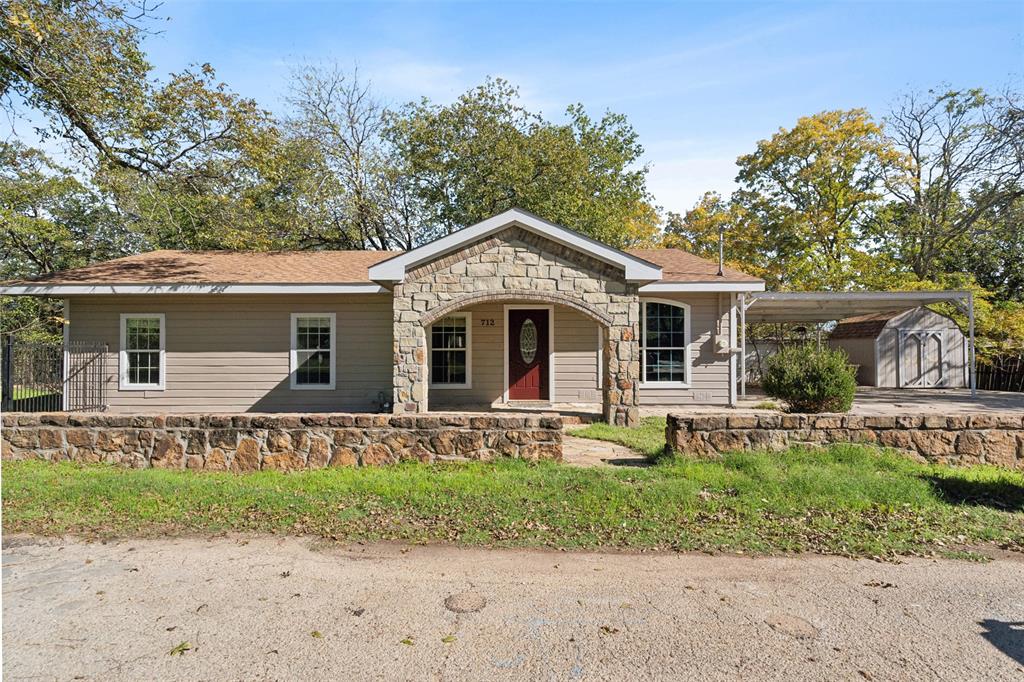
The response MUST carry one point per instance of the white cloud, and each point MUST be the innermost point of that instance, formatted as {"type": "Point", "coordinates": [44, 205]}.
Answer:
{"type": "Point", "coordinates": [677, 183]}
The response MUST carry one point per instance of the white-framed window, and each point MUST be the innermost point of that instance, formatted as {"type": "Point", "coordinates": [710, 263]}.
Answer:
{"type": "Point", "coordinates": [451, 356]}
{"type": "Point", "coordinates": [313, 345]}
{"type": "Point", "coordinates": [664, 343]}
{"type": "Point", "coordinates": [141, 359]}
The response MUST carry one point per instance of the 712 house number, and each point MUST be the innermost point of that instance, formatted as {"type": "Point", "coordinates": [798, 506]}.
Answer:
{"type": "Point", "coordinates": [487, 322]}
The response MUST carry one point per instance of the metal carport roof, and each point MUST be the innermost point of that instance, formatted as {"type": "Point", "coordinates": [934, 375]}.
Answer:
{"type": "Point", "coordinates": [825, 306]}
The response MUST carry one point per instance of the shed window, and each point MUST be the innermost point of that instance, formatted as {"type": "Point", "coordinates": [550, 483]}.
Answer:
{"type": "Point", "coordinates": [142, 352]}
{"type": "Point", "coordinates": [312, 352]}
{"type": "Point", "coordinates": [450, 352]}
{"type": "Point", "coordinates": [665, 343]}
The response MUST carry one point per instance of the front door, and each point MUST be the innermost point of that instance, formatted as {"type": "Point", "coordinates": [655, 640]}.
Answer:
{"type": "Point", "coordinates": [528, 374]}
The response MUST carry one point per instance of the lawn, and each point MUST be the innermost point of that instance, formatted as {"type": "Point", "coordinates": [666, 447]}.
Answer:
{"type": "Point", "coordinates": [848, 500]}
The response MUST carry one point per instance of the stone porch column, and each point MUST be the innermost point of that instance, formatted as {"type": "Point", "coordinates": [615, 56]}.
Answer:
{"type": "Point", "coordinates": [410, 351]}
{"type": "Point", "coordinates": [622, 365]}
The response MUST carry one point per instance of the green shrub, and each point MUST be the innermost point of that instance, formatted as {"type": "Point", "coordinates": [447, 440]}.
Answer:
{"type": "Point", "coordinates": [810, 379]}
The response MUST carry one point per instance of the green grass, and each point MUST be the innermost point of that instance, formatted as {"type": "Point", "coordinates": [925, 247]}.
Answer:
{"type": "Point", "coordinates": [648, 438]}
{"type": "Point", "coordinates": [848, 500]}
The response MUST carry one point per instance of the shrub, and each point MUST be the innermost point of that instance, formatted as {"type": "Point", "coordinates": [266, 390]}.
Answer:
{"type": "Point", "coordinates": [810, 379]}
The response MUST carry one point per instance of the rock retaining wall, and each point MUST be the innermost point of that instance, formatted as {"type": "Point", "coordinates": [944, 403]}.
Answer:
{"type": "Point", "coordinates": [249, 442]}
{"type": "Point", "coordinates": [962, 439]}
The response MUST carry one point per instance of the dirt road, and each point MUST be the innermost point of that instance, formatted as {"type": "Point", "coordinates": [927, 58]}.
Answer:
{"type": "Point", "coordinates": [285, 608]}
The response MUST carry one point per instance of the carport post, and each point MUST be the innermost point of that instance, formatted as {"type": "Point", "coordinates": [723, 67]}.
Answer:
{"type": "Point", "coordinates": [970, 324]}
{"type": "Point", "coordinates": [743, 345]}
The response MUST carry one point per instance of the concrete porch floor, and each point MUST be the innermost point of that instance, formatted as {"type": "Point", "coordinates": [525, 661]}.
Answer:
{"type": "Point", "coordinates": [868, 401]}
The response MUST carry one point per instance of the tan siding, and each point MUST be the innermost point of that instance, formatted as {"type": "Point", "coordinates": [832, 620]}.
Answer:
{"type": "Point", "coordinates": [576, 369]}
{"type": "Point", "coordinates": [709, 373]}
{"type": "Point", "coordinates": [862, 354]}
{"type": "Point", "coordinates": [230, 353]}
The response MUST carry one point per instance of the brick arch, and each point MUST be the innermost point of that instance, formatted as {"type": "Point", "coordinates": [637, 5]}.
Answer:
{"type": "Point", "coordinates": [431, 316]}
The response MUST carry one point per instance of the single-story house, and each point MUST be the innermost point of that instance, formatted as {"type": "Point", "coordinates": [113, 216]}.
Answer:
{"type": "Point", "coordinates": [917, 348]}
{"type": "Point", "coordinates": [512, 310]}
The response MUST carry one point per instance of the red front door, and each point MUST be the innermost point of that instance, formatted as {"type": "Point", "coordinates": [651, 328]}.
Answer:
{"type": "Point", "coordinates": [528, 355]}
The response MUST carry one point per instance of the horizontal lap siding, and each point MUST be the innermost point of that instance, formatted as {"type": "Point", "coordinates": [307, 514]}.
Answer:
{"type": "Point", "coordinates": [230, 353]}
{"type": "Point", "coordinates": [709, 371]}
{"type": "Point", "coordinates": [575, 337]}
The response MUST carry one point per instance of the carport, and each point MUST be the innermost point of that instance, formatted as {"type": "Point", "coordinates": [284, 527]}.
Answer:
{"type": "Point", "coordinates": [827, 306]}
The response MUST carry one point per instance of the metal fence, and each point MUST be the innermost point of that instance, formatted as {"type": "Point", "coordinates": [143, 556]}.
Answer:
{"type": "Point", "coordinates": [33, 376]}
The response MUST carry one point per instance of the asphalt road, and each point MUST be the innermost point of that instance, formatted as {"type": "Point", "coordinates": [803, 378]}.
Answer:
{"type": "Point", "coordinates": [286, 608]}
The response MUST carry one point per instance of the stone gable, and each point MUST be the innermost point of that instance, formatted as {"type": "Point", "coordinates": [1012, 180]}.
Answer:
{"type": "Point", "coordinates": [516, 265]}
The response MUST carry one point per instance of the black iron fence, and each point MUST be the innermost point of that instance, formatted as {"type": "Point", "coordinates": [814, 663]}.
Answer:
{"type": "Point", "coordinates": [1002, 373]}
{"type": "Point", "coordinates": [34, 377]}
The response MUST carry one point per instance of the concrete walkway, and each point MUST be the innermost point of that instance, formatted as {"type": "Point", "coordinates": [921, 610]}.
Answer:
{"type": "Point", "coordinates": [284, 609]}
{"type": "Point", "coordinates": [585, 452]}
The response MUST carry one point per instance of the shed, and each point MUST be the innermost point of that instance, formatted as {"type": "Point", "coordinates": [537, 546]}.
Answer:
{"type": "Point", "coordinates": [917, 348]}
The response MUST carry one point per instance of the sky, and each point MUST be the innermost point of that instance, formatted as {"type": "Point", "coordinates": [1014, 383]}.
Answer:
{"type": "Point", "coordinates": [700, 82]}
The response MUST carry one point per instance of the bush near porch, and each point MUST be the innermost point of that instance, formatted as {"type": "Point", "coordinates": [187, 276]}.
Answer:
{"type": "Point", "coordinates": [846, 500]}
{"type": "Point", "coordinates": [811, 379]}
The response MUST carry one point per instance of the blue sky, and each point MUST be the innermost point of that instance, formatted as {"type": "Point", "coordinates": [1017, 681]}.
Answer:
{"type": "Point", "coordinates": [701, 82]}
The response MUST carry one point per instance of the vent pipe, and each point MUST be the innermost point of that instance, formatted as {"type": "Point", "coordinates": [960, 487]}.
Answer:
{"type": "Point", "coordinates": [721, 252]}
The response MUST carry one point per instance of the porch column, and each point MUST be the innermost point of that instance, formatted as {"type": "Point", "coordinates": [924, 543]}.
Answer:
{"type": "Point", "coordinates": [622, 373]}
{"type": "Point", "coordinates": [410, 355]}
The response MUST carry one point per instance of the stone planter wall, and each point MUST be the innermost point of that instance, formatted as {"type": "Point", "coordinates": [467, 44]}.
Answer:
{"type": "Point", "coordinates": [962, 439]}
{"type": "Point", "coordinates": [250, 442]}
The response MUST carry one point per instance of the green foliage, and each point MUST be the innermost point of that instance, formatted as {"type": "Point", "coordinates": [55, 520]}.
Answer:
{"type": "Point", "coordinates": [810, 379]}
{"type": "Point", "coordinates": [846, 499]}
{"type": "Point", "coordinates": [485, 153]}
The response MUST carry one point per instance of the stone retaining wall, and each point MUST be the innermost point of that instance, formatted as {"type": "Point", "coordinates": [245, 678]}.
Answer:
{"type": "Point", "coordinates": [250, 442]}
{"type": "Point", "coordinates": [962, 439]}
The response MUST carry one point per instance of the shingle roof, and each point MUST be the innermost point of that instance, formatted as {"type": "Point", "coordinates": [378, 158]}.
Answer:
{"type": "Point", "coordinates": [681, 266]}
{"type": "Point", "coordinates": [310, 267]}
{"type": "Point", "coordinates": [864, 326]}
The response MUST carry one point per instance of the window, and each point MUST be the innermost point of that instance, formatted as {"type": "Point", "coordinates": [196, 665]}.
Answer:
{"type": "Point", "coordinates": [142, 352]}
{"type": "Point", "coordinates": [665, 343]}
{"type": "Point", "coordinates": [450, 352]}
{"type": "Point", "coordinates": [312, 353]}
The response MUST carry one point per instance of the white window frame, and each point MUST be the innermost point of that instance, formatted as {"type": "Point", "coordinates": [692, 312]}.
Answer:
{"type": "Point", "coordinates": [293, 353]}
{"type": "Point", "coordinates": [123, 383]}
{"type": "Point", "coordinates": [469, 353]}
{"type": "Point", "coordinates": [687, 348]}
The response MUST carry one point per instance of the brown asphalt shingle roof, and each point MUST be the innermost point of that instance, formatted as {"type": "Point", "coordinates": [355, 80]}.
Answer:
{"type": "Point", "coordinates": [864, 326]}
{"type": "Point", "coordinates": [311, 267]}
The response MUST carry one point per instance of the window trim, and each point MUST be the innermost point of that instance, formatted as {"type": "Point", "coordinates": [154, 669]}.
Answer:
{"type": "Point", "coordinates": [468, 316]}
{"type": "Point", "coordinates": [687, 347]}
{"type": "Point", "coordinates": [123, 384]}
{"type": "Point", "coordinates": [293, 353]}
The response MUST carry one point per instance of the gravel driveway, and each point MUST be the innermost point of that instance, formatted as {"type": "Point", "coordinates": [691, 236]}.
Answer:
{"type": "Point", "coordinates": [287, 608]}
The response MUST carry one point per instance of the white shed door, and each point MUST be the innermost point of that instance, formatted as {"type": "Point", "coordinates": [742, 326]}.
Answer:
{"type": "Point", "coordinates": [922, 358]}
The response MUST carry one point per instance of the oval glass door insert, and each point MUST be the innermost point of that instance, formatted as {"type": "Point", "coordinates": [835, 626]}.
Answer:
{"type": "Point", "coordinates": [528, 341]}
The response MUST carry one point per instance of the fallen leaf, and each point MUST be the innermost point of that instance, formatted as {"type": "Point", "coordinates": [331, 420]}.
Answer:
{"type": "Point", "coordinates": [316, 634]}
{"type": "Point", "coordinates": [180, 649]}
{"type": "Point", "coordinates": [449, 639]}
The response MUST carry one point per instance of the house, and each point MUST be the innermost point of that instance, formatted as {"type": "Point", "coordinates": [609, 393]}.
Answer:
{"type": "Point", "coordinates": [916, 348]}
{"type": "Point", "coordinates": [512, 310]}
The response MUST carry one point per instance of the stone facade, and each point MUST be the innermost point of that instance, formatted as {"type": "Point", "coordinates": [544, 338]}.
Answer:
{"type": "Point", "coordinates": [518, 266]}
{"type": "Point", "coordinates": [245, 443]}
{"type": "Point", "coordinates": [963, 439]}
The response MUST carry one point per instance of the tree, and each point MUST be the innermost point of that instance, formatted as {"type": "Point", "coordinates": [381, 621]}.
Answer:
{"type": "Point", "coordinates": [49, 221]}
{"type": "Point", "coordinates": [813, 189]}
{"type": "Point", "coordinates": [994, 254]}
{"type": "Point", "coordinates": [964, 153]}
{"type": "Point", "coordinates": [485, 153]}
